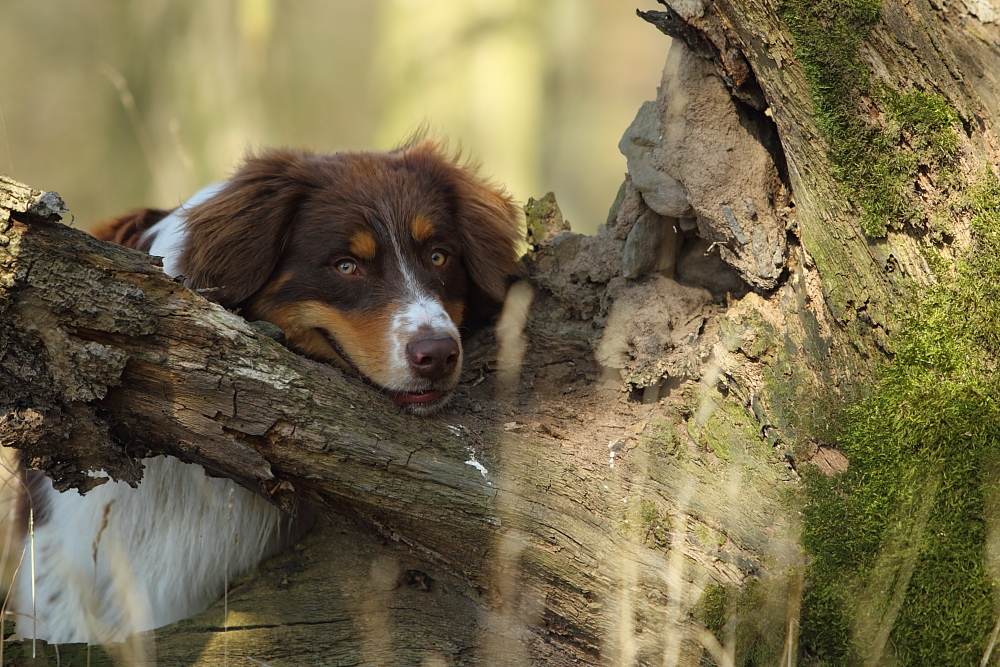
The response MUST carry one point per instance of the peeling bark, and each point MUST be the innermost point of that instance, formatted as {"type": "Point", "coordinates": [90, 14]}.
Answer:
{"type": "Point", "coordinates": [614, 494]}
{"type": "Point", "coordinates": [107, 360]}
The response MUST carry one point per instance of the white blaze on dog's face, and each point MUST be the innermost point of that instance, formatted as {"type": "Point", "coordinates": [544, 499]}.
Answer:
{"type": "Point", "coordinates": [369, 295]}
{"type": "Point", "coordinates": [371, 261]}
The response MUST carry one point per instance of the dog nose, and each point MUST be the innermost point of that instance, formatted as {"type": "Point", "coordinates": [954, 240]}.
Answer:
{"type": "Point", "coordinates": [433, 358]}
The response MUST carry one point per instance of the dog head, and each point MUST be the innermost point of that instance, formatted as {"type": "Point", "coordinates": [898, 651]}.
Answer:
{"type": "Point", "coordinates": [370, 261]}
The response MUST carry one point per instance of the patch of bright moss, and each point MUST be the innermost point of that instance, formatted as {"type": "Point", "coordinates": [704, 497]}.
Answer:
{"type": "Point", "coordinates": [940, 225]}
{"type": "Point", "coordinates": [707, 537]}
{"type": "Point", "coordinates": [646, 524]}
{"type": "Point", "coordinates": [805, 410]}
{"type": "Point", "coordinates": [660, 437]}
{"type": "Point", "coordinates": [749, 332]}
{"type": "Point", "coordinates": [897, 543]}
{"type": "Point", "coordinates": [655, 525]}
{"type": "Point", "coordinates": [712, 608]}
{"type": "Point", "coordinates": [727, 423]}
{"type": "Point", "coordinates": [878, 138]}
{"type": "Point", "coordinates": [741, 615]}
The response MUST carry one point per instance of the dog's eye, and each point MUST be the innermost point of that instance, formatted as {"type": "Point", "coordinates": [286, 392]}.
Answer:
{"type": "Point", "coordinates": [347, 267]}
{"type": "Point", "coordinates": [438, 258]}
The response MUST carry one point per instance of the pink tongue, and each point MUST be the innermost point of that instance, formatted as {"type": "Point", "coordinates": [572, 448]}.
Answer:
{"type": "Point", "coordinates": [401, 398]}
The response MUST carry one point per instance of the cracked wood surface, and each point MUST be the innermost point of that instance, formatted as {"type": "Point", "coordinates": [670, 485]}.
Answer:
{"type": "Point", "coordinates": [914, 45]}
{"type": "Point", "coordinates": [423, 556]}
{"type": "Point", "coordinates": [535, 563]}
{"type": "Point", "coordinates": [106, 360]}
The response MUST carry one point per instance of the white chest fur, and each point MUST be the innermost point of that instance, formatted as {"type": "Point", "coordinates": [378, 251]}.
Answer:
{"type": "Point", "coordinates": [121, 560]}
{"type": "Point", "coordinates": [164, 553]}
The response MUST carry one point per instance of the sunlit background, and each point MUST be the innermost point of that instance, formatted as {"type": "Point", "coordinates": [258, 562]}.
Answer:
{"type": "Point", "coordinates": [118, 105]}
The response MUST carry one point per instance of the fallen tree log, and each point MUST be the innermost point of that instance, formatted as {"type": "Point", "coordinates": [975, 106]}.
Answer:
{"type": "Point", "coordinates": [512, 509]}
{"type": "Point", "coordinates": [126, 363]}
{"type": "Point", "coordinates": [647, 511]}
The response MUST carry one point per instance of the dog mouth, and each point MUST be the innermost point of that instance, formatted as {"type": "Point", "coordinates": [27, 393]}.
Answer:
{"type": "Point", "coordinates": [404, 398]}
{"type": "Point", "coordinates": [421, 401]}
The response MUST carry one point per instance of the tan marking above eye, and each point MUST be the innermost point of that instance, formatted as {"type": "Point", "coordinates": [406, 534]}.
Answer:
{"type": "Point", "coordinates": [363, 245]}
{"type": "Point", "coordinates": [422, 228]}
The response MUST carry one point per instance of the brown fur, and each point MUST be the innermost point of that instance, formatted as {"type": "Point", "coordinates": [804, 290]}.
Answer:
{"type": "Point", "coordinates": [363, 245]}
{"type": "Point", "coordinates": [238, 236]}
{"type": "Point", "coordinates": [431, 246]}
{"type": "Point", "coordinates": [270, 242]}
{"type": "Point", "coordinates": [422, 228]}
{"type": "Point", "coordinates": [455, 310]}
{"type": "Point", "coordinates": [128, 229]}
{"type": "Point", "coordinates": [359, 334]}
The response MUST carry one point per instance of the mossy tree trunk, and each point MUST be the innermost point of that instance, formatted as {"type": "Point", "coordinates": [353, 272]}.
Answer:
{"type": "Point", "coordinates": [647, 508]}
{"type": "Point", "coordinates": [886, 115]}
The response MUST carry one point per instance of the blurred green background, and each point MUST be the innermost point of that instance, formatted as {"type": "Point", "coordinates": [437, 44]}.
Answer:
{"type": "Point", "coordinates": [118, 104]}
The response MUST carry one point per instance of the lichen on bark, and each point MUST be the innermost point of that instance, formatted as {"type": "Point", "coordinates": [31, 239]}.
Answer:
{"type": "Point", "coordinates": [900, 560]}
{"type": "Point", "coordinates": [879, 137]}
{"type": "Point", "coordinates": [928, 436]}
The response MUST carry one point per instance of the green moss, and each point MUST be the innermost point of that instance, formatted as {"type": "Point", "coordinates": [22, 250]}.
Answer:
{"type": "Point", "coordinates": [707, 537]}
{"type": "Point", "coordinates": [748, 332]}
{"type": "Point", "coordinates": [726, 424]}
{"type": "Point", "coordinates": [807, 407]}
{"type": "Point", "coordinates": [660, 437]}
{"type": "Point", "coordinates": [897, 543]}
{"type": "Point", "coordinates": [543, 219]}
{"type": "Point", "coordinates": [655, 525]}
{"type": "Point", "coordinates": [928, 118]}
{"type": "Point", "coordinates": [977, 295]}
{"type": "Point", "coordinates": [940, 226]}
{"type": "Point", "coordinates": [896, 572]}
{"type": "Point", "coordinates": [742, 615]}
{"type": "Point", "coordinates": [714, 606]}
{"type": "Point", "coordinates": [646, 524]}
{"type": "Point", "coordinates": [878, 138]}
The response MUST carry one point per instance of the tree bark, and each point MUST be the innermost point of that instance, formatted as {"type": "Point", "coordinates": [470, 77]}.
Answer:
{"type": "Point", "coordinates": [108, 361]}
{"type": "Point", "coordinates": [565, 512]}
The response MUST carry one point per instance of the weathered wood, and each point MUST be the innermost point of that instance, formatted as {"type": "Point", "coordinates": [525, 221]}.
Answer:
{"type": "Point", "coordinates": [912, 46]}
{"type": "Point", "coordinates": [125, 361]}
{"type": "Point", "coordinates": [328, 601]}
{"type": "Point", "coordinates": [537, 540]}
{"type": "Point", "coordinates": [600, 521]}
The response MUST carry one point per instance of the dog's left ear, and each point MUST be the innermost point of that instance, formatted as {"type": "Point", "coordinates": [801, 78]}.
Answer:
{"type": "Point", "coordinates": [489, 223]}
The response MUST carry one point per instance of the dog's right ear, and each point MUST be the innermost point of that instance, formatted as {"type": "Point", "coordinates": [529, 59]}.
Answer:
{"type": "Point", "coordinates": [236, 238]}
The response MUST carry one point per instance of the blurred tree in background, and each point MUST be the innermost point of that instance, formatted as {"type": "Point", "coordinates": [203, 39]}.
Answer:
{"type": "Point", "coordinates": [123, 104]}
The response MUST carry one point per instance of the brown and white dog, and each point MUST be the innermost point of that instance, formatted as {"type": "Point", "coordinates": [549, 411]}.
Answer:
{"type": "Point", "coordinates": [370, 261]}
